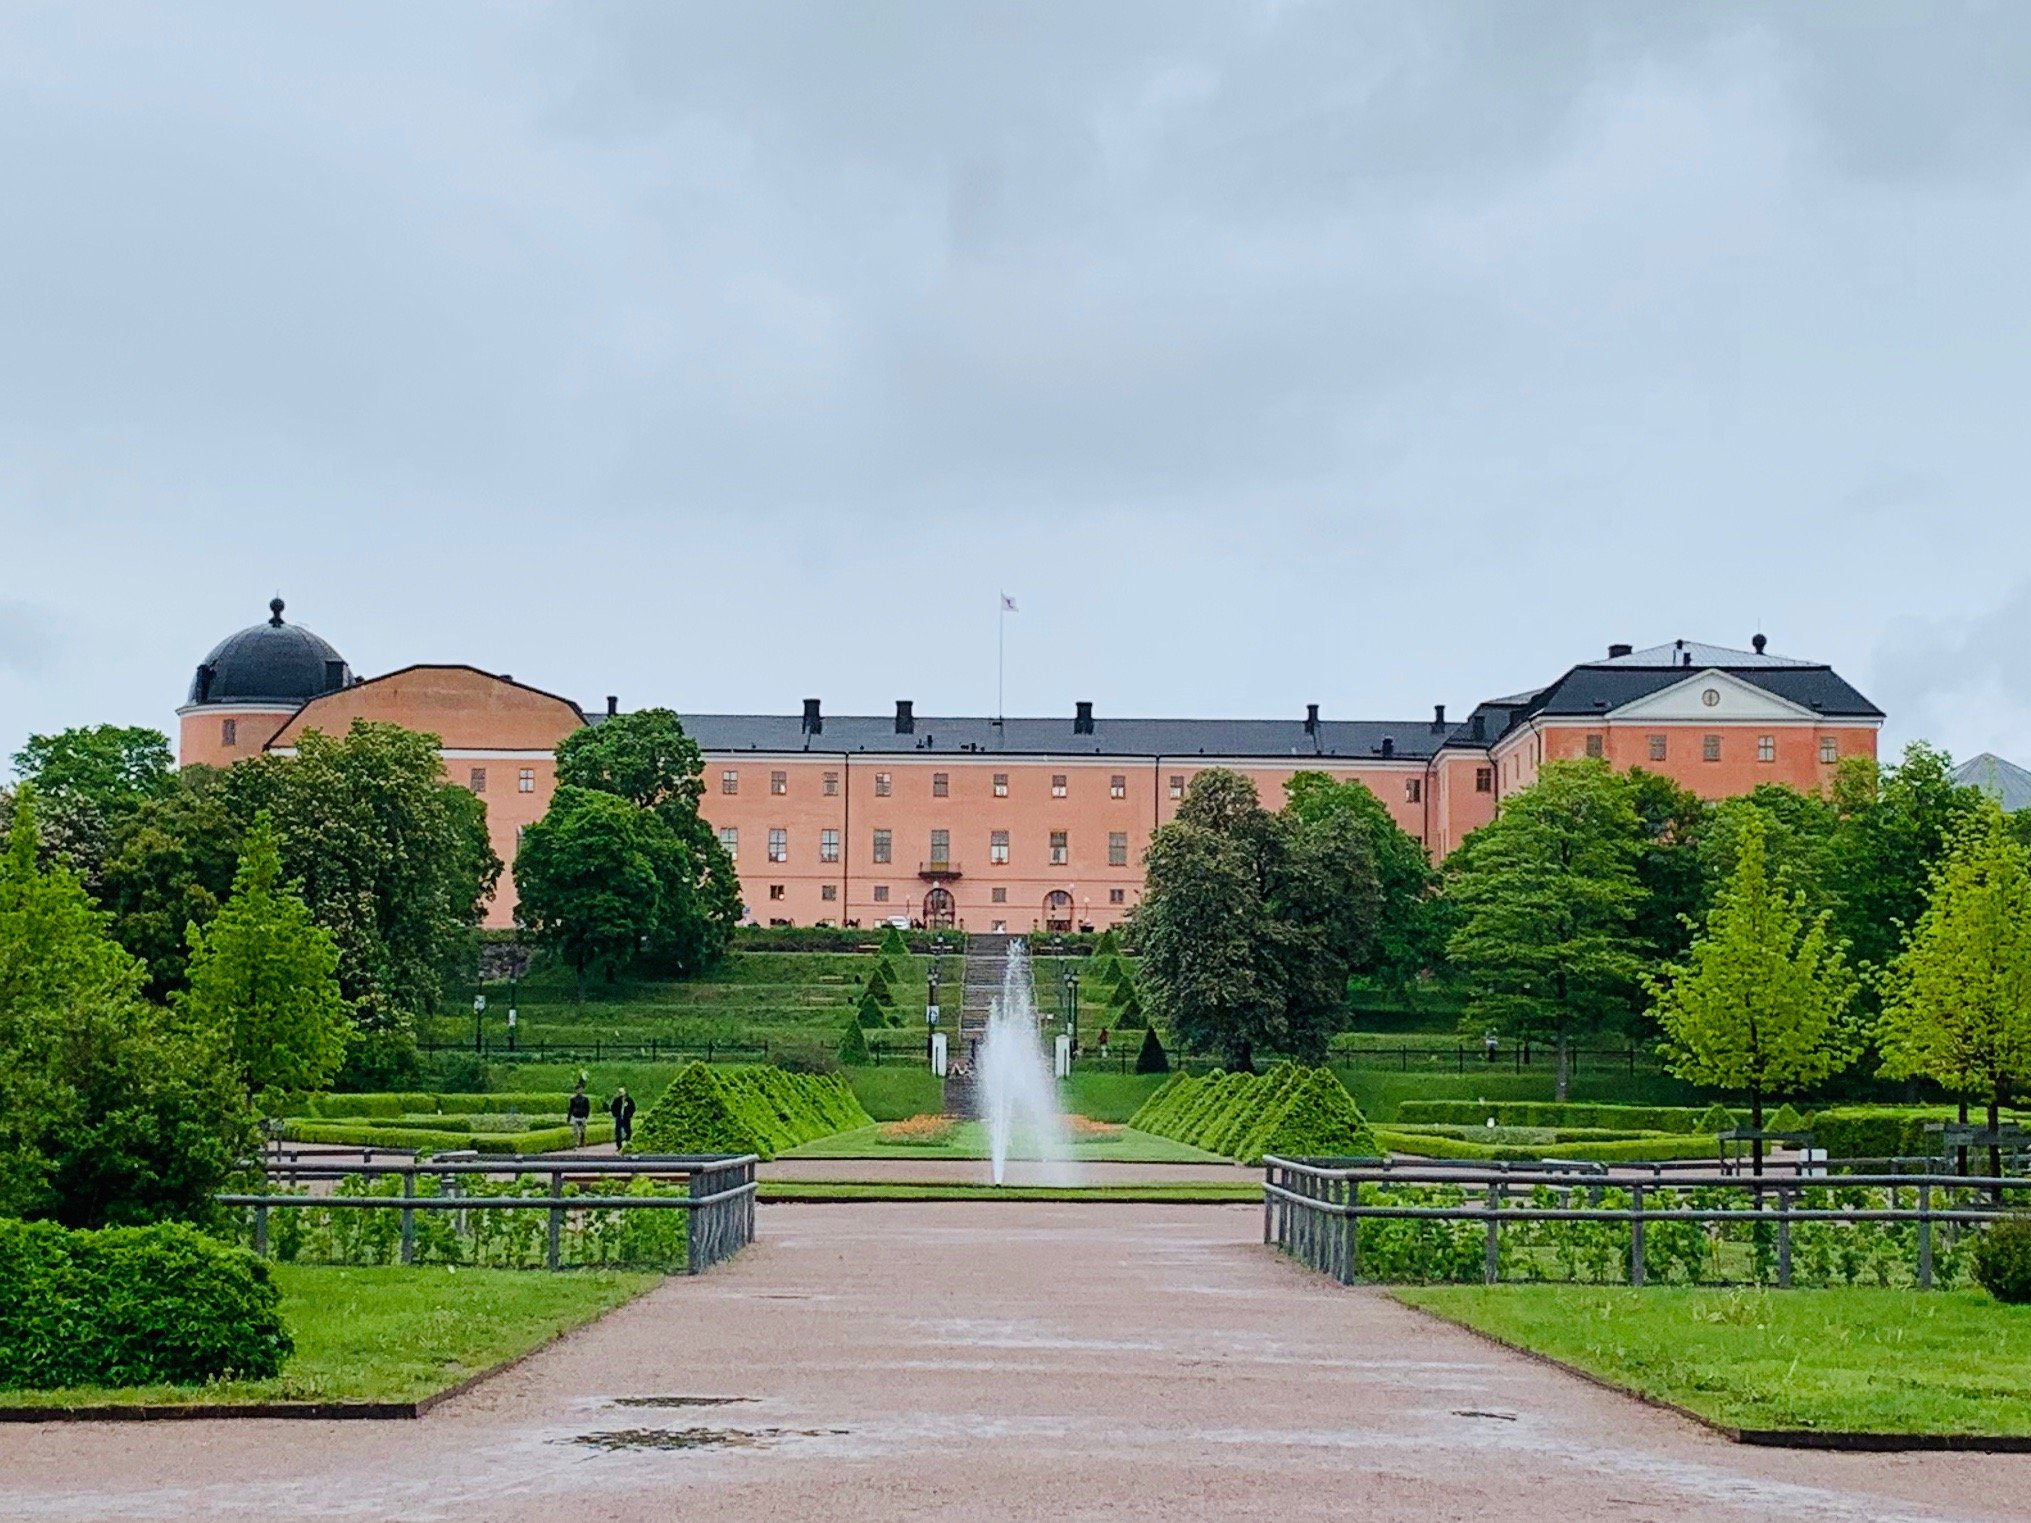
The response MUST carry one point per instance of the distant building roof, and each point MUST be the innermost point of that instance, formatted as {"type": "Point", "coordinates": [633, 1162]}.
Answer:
{"type": "Point", "coordinates": [269, 663]}
{"type": "Point", "coordinates": [1694, 653]}
{"type": "Point", "coordinates": [2005, 782]}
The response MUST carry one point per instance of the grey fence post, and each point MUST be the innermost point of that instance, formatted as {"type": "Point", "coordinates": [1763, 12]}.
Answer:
{"type": "Point", "coordinates": [261, 1230]}
{"type": "Point", "coordinates": [1636, 1235]}
{"type": "Point", "coordinates": [1783, 1238]}
{"type": "Point", "coordinates": [1492, 1270]}
{"type": "Point", "coordinates": [694, 1229]}
{"type": "Point", "coordinates": [1925, 1237]}
{"type": "Point", "coordinates": [554, 1253]}
{"type": "Point", "coordinates": [409, 1218]}
{"type": "Point", "coordinates": [1268, 1201]}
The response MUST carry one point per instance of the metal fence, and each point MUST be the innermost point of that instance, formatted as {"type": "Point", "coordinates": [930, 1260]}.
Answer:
{"type": "Point", "coordinates": [446, 1213]}
{"type": "Point", "coordinates": [1359, 1219]}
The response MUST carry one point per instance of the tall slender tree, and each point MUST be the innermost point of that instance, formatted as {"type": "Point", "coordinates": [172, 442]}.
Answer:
{"type": "Point", "coordinates": [1761, 1002]}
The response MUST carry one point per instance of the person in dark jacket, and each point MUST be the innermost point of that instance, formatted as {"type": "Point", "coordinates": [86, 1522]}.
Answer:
{"type": "Point", "coordinates": [578, 1112]}
{"type": "Point", "coordinates": [622, 1109]}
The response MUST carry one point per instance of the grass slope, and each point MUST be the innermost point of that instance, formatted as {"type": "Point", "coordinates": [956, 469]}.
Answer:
{"type": "Point", "coordinates": [1860, 1360]}
{"type": "Point", "coordinates": [392, 1334]}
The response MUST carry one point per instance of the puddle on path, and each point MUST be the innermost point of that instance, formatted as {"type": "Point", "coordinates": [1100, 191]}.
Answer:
{"type": "Point", "coordinates": [629, 1439]}
{"type": "Point", "coordinates": [1501, 1417]}
{"type": "Point", "coordinates": [677, 1401]}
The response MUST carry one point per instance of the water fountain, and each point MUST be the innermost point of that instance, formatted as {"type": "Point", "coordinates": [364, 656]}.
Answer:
{"type": "Point", "coordinates": [1018, 1093]}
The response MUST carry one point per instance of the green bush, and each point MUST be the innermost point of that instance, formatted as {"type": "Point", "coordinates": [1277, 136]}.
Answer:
{"type": "Point", "coordinates": [1290, 1111]}
{"type": "Point", "coordinates": [1152, 1059]}
{"type": "Point", "coordinates": [1876, 1131]}
{"type": "Point", "coordinates": [2002, 1260]}
{"type": "Point", "coordinates": [759, 1110]}
{"type": "Point", "coordinates": [853, 1044]}
{"type": "Point", "coordinates": [426, 1138]}
{"type": "Point", "coordinates": [1631, 1118]}
{"type": "Point", "coordinates": [133, 1306]}
{"type": "Point", "coordinates": [1125, 1012]}
{"type": "Point", "coordinates": [1784, 1119]}
{"type": "Point", "coordinates": [869, 1014]}
{"type": "Point", "coordinates": [1717, 1118]}
{"type": "Point", "coordinates": [1654, 1148]}
{"type": "Point", "coordinates": [894, 944]}
{"type": "Point", "coordinates": [370, 1105]}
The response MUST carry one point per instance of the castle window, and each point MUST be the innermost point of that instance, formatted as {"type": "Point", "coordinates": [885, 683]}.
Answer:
{"type": "Point", "coordinates": [779, 783]}
{"type": "Point", "coordinates": [1117, 896]}
{"type": "Point", "coordinates": [1413, 790]}
{"type": "Point", "coordinates": [941, 848]}
{"type": "Point", "coordinates": [729, 781]}
{"type": "Point", "coordinates": [1060, 848]}
{"type": "Point", "coordinates": [882, 847]}
{"type": "Point", "coordinates": [229, 732]}
{"type": "Point", "coordinates": [832, 785]}
{"type": "Point", "coordinates": [729, 837]}
{"type": "Point", "coordinates": [1177, 785]}
{"type": "Point", "coordinates": [828, 891]}
{"type": "Point", "coordinates": [775, 890]}
{"type": "Point", "coordinates": [1766, 748]}
{"type": "Point", "coordinates": [997, 846]}
{"type": "Point", "coordinates": [1117, 786]}
{"type": "Point", "coordinates": [1657, 748]}
{"type": "Point", "coordinates": [1829, 749]}
{"type": "Point", "coordinates": [882, 784]}
{"type": "Point", "coordinates": [1117, 848]}
{"type": "Point", "coordinates": [525, 780]}
{"type": "Point", "coordinates": [479, 780]}
{"type": "Point", "coordinates": [779, 844]}
{"type": "Point", "coordinates": [1001, 785]}
{"type": "Point", "coordinates": [1484, 779]}
{"type": "Point", "coordinates": [1710, 748]}
{"type": "Point", "coordinates": [997, 896]}
{"type": "Point", "coordinates": [881, 893]}
{"type": "Point", "coordinates": [1057, 785]}
{"type": "Point", "coordinates": [828, 846]}
{"type": "Point", "coordinates": [1594, 746]}
{"type": "Point", "coordinates": [941, 785]}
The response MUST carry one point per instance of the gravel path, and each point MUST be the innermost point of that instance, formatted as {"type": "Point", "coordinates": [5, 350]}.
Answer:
{"type": "Point", "coordinates": [1021, 1361]}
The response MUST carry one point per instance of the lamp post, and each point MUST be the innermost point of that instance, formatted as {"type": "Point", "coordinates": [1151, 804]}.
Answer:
{"type": "Point", "coordinates": [479, 1008]}
{"type": "Point", "coordinates": [931, 1009]}
{"type": "Point", "coordinates": [1072, 1008]}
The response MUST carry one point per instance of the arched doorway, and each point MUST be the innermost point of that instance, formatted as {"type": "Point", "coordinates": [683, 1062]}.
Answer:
{"type": "Point", "coordinates": [1057, 910]}
{"type": "Point", "coordinates": [938, 909]}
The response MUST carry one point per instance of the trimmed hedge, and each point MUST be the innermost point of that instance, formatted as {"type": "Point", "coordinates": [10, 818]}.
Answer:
{"type": "Point", "coordinates": [1876, 1131]}
{"type": "Point", "coordinates": [750, 1109]}
{"type": "Point", "coordinates": [1291, 1111]}
{"type": "Point", "coordinates": [339, 1107]}
{"type": "Point", "coordinates": [1627, 1118]}
{"type": "Point", "coordinates": [133, 1306]}
{"type": "Point", "coordinates": [427, 1139]}
{"type": "Point", "coordinates": [1652, 1149]}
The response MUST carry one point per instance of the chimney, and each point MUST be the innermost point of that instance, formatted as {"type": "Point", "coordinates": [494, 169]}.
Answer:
{"type": "Point", "coordinates": [814, 723]}
{"type": "Point", "coordinates": [1619, 650]}
{"type": "Point", "coordinates": [1688, 659]}
{"type": "Point", "coordinates": [1311, 719]}
{"type": "Point", "coordinates": [1756, 643]}
{"type": "Point", "coordinates": [1479, 728]}
{"type": "Point", "coordinates": [906, 720]}
{"type": "Point", "coordinates": [1438, 717]}
{"type": "Point", "coordinates": [1082, 717]}
{"type": "Point", "coordinates": [613, 705]}
{"type": "Point", "coordinates": [1388, 746]}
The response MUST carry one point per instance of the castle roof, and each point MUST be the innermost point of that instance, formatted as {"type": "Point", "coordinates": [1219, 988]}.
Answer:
{"type": "Point", "coordinates": [271, 663]}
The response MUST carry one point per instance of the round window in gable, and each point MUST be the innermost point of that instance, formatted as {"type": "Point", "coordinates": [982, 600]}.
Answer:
{"type": "Point", "coordinates": [1711, 697]}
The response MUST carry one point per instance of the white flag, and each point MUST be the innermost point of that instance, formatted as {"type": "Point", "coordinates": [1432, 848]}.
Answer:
{"type": "Point", "coordinates": [1008, 604]}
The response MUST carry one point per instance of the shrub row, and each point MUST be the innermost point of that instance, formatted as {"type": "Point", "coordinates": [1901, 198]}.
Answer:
{"type": "Point", "coordinates": [1290, 1111]}
{"type": "Point", "coordinates": [720, 1109]}
{"type": "Point", "coordinates": [1655, 1148]}
{"type": "Point", "coordinates": [394, 1105]}
{"type": "Point", "coordinates": [421, 1139]}
{"type": "Point", "coordinates": [1632, 1118]}
{"type": "Point", "coordinates": [133, 1306]}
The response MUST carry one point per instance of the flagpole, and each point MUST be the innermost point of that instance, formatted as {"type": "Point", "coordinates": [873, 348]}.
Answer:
{"type": "Point", "coordinates": [1000, 651]}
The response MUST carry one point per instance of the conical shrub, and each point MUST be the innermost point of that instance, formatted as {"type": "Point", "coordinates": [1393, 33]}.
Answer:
{"type": "Point", "coordinates": [853, 1044]}
{"type": "Point", "coordinates": [1152, 1059]}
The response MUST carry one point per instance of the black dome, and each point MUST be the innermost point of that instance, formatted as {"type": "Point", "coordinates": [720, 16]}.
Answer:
{"type": "Point", "coordinates": [270, 663]}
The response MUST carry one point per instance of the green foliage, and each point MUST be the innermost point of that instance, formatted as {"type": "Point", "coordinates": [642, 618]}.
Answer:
{"type": "Point", "coordinates": [1787, 1119]}
{"type": "Point", "coordinates": [1717, 1118]}
{"type": "Point", "coordinates": [132, 1306]}
{"type": "Point", "coordinates": [263, 979]}
{"type": "Point", "coordinates": [646, 759]}
{"type": "Point", "coordinates": [893, 943]}
{"type": "Point", "coordinates": [1876, 1131]}
{"type": "Point", "coordinates": [759, 1110]}
{"type": "Point", "coordinates": [1251, 921]}
{"type": "Point", "coordinates": [1289, 1111]}
{"type": "Point", "coordinates": [1151, 1058]}
{"type": "Point", "coordinates": [169, 867]}
{"type": "Point", "coordinates": [1108, 945]}
{"type": "Point", "coordinates": [1761, 1003]}
{"type": "Point", "coordinates": [1543, 900]}
{"type": "Point", "coordinates": [1501, 1148]}
{"type": "Point", "coordinates": [2002, 1260]}
{"type": "Point", "coordinates": [108, 1113]}
{"type": "Point", "coordinates": [869, 1014]}
{"type": "Point", "coordinates": [1124, 1011]}
{"type": "Point", "coordinates": [1406, 938]}
{"type": "Point", "coordinates": [589, 876]}
{"type": "Point", "coordinates": [423, 1138]}
{"type": "Point", "coordinates": [1684, 1120]}
{"type": "Point", "coordinates": [852, 1049]}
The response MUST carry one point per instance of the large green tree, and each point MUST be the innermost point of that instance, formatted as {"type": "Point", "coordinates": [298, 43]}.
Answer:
{"type": "Point", "coordinates": [1672, 821]}
{"type": "Point", "coordinates": [1405, 943]}
{"type": "Point", "coordinates": [1250, 921]}
{"type": "Point", "coordinates": [264, 978]}
{"type": "Point", "coordinates": [171, 867]}
{"type": "Point", "coordinates": [1544, 899]}
{"type": "Point", "coordinates": [647, 759]}
{"type": "Point", "coordinates": [1957, 998]}
{"type": "Point", "coordinates": [109, 1113]}
{"type": "Point", "coordinates": [1761, 1003]}
{"type": "Point", "coordinates": [589, 878]}
{"type": "Point", "coordinates": [87, 781]}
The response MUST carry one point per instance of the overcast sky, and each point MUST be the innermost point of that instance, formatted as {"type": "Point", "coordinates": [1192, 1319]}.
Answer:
{"type": "Point", "coordinates": [719, 356]}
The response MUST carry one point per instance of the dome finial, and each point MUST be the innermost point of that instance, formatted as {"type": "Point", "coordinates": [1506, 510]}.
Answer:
{"type": "Point", "coordinates": [275, 611]}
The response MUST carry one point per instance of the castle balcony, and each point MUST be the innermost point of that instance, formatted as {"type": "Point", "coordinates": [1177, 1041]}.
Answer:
{"type": "Point", "coordinates": [939, 871]}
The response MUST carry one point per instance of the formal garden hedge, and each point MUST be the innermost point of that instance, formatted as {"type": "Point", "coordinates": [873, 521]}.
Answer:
{"type": "Point", "coordinates": [760, 1109]}
{"type": "Point", "coordinates": [1629, 1118]}
{"type": "Point", "coordinates": [133, 1306]}
{"type": "Point", "coordinates": [1290, 1110]}
{"type": "Point", "coordinates": [1648, 1147]}
{"type": "Point", "coordinates": [340, 1107]}
{"type": "Point", "coordinates": [423, 1138]}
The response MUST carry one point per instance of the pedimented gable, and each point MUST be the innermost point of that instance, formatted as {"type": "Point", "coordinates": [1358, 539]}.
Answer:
{"type": "Point", "coordinates": [464, 707]}
{"type": "Point", "coordinates": [1713, 697]}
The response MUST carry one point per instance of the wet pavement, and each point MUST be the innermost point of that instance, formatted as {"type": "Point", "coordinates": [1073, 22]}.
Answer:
{"type": "Point", "coordinates": [1004, 1361]}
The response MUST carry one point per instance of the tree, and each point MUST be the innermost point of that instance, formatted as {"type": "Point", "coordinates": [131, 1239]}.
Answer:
{"type": "Point", "coordinates": [108, 1114]}
{"type": "Point", "coordinates": [1957, 999]}
{"type": "Point", "coordinates": [853, 1044]}
{"type": "Point", "coordinates": [1761, 1002]}
{"type": "Point", "coordinates": [646, 758]}
{"type": "Point", "coordinates": [263, 978]}
{"type": "Point", "coordinates": [590, 876]}
{"type": "Point", "coordinates": [1250, 921]}
{"type": "Point", "coordinates": [1544, 897]}
{"type": "Point", "coordinates": [1669, 868]}
{"type": "Point", "coordinates": [1151, 1058]}
{"type": "Point", "coordinates": [170, 867]}
{"type": "Point", "coordinates": [1405, 942]}
{"type": "Point", "coordinates": [1798, 834]}
{"type": "Point", "coordinates": [87, 780]}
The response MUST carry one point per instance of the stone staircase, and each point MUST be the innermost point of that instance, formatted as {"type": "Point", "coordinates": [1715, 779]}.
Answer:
{"type": "Point", "coordinates": [980, 982]}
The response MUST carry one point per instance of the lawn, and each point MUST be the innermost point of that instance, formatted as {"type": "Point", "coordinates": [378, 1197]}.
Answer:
{"type": "Point", "coordinates": [1206, 1193]}
{"type": "Point", "coordinates": [392, 1334]}
{"type": "Point", "coordinates": [1856, 1360]}
{"type": "Point", "coordinates": [969, 1140]}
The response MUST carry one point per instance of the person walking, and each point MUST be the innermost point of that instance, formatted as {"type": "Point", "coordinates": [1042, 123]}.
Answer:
{"type": "Point", "coordinates": [622, 1109]}
{"type": "Point", "coordinates": [578, 1112]}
